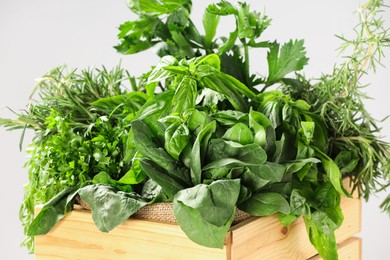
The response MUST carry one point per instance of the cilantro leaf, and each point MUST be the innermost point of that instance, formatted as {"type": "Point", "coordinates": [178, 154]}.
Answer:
{"type": "Point", "coordinates": [291, 57]}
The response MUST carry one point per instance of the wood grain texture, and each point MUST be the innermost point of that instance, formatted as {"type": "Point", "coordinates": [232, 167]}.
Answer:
{"type": "Point", "coordinates": [350, 249]}
{"type": "Point", "coordinates": [76, 237]}
{"type": "Point", "coordinates": [267, 238]}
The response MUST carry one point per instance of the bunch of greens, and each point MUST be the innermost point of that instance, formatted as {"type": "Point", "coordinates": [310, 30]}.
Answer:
{"type": "Point", "coordinates": [81, 126]}
{"type": "Point", "coordinates": [215, 139]}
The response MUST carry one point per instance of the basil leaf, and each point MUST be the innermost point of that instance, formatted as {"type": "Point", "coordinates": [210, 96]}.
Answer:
{"type": "Point", "coordinates": [198, 154]}
{"type": "Point", "coordinates": [321, 233]}
{"type": "Point", "coordinates": [185, 95]}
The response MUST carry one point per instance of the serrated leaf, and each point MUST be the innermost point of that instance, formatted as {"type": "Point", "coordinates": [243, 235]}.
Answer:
{"type": "Point", "coordinates": [281, 61]}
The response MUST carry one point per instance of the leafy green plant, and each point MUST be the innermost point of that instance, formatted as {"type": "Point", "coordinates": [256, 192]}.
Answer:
{"type": "Point", "coordinates": [215, 139]}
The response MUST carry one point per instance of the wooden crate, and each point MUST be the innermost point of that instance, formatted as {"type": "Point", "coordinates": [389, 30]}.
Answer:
{"type": "Point", "coordinates": [76, 237]}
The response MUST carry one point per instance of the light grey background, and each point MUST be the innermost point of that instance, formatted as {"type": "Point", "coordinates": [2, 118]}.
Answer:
{"type": "Point", "coordinates": [36, 36]}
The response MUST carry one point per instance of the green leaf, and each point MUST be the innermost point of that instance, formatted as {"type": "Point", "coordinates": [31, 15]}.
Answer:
{"type": "Point", "coordinates": [159, 73]}
{"type": "Point", "coordinates": [185, 95]}
{"type": "Point", "coordinates": [251, 154]}
{"type": "Point", "coordinates": [205, 212]}
{"type": "Point", "coordinates": [156, 6]}
{"type": "Point", "coordinates": [239, 133]}
{"type": "Point", "coordinates": [347, 161]}
{"type": "Point", "coordinates": [265, 135]}
{"type": "Point", "coordinates": [156, 107]}
{"type": "Point", "coordinates": [291, 57]}
{"type": "Point", "coordinates": [199, 151]}
{"type": "Point", "coordinates": [332, 171]}
{"type": "Point", "coordinates": [52, 212]}
{"type": "Point", "coordinates": [176, 139]}
{"type": "Point", "coordinates": [296, 165]}
{"type": "Point", "coordinates": [133, 176]}
{"type": "Point", "coordinates": [230, 117]}
{"type": "Point", "coordinates": [222, 8]}
{"type": "Point", "coordinates": [143, 140]}
{"type": "Point", "coordinates": [265, 204]}
{"type": "Point", "coordinates": [160, 176]}
{"type": "Point", "coordinates": [258, 176]}
{"type": "Point", "coordinates": [321, 233]}
{"type": "Point", "coordinates": [121, 205]}
{"type": "Point", "coordinates": [298, 203]}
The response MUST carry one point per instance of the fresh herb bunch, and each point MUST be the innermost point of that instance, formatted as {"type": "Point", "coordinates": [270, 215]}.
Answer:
{"type": "Point", "coordinates": [355, 143]}
{"type": "Point", "coordinates": [81, 124]}
{"type": "Point", "coordinates": [215, 134]}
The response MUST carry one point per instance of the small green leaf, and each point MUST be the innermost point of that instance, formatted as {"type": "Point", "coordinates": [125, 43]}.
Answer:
{"type": "Point", "coordinates": [176, 139]}
{"type": "Point", "coordinates": [185, 95]}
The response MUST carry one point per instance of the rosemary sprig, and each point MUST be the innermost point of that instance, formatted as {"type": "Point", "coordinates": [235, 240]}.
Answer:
{"type": "Point", "coordinates": [339, 99]}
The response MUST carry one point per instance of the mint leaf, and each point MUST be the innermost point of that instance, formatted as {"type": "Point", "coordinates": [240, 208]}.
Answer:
{"type": "Point", "coordinates": [291, 57]}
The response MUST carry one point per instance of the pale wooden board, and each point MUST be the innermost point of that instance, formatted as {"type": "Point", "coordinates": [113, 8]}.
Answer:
{"type": "Point", "coordinates": [76, 237]}
{"type": "Point", "coordinates": [267, 238]}
{"type": "Point", "coordinates": [350, 249]}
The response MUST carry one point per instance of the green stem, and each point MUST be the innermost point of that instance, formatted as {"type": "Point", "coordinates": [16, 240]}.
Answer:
{"type": "Point", "coordinates": [246, 53]}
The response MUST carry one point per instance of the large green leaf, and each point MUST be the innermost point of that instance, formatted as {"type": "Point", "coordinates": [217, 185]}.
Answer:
{"type": "Point", "coordinates": [143, 140]}
{"type": "Point", "coordinates": [239, 133]}
{"type": "Point", "coordinates": [156, 107]}
{"type": "Point", "coordinates": [210, 24]}
{"type": "Point", "coordinates": [109, 206]}
{"type": "Point", "coordinates": [265, 204]}
{"type": "Point", "coordinates": [170, 185]}
{"type": "Point", "coordinates": [321, 233]}
{"type": "Point", "coordinates": [52, 212]}
{"type": "Point", "coordinates": [205, 212]}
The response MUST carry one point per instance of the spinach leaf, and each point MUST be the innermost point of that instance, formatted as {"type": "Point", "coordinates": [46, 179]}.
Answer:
{"type": "Point", "coordinates": [239, 133]}
{"type": "Point", "coordinates": [265, 204]}
{"type": "Point", "coordinates": [109, 206]}
{"type": "Point", "coordinates": [145, 145]}
{"type": "Point", "coordinates": [52, 212]}
{"type": "Point", "coordinates": [176, 139]}
{"type": "Point", "coordinates": [210, 208]}
{"type": "Point", "coordinates": [168, 183]}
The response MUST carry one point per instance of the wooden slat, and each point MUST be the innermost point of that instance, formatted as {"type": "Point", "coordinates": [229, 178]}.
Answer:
{"type": "Point", "coordinates": [350, 249]}
{"type": "Point", "coordinates": [76, 237]}
{"type": "Point", "coordinates": [267, 238]}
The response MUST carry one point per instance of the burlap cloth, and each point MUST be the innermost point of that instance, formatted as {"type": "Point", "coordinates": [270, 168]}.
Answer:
{"type": "Point", "coordinates": [163, 212]}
